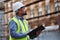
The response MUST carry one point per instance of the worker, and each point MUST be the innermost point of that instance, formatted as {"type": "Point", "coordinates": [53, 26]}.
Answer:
{"type": "Point", "coordinates": [18, 25]}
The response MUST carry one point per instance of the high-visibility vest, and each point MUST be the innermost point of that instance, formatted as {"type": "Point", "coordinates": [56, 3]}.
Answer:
{"type": "Point", "coordinates": [19, 25]}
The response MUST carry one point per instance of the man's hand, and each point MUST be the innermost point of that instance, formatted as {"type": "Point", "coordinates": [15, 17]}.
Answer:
{"type": "Point", "coordinates": [38, 33]}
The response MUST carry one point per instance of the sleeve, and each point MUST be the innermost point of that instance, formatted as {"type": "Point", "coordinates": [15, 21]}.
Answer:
{"type": "Point", "coordinates": [13, 33]}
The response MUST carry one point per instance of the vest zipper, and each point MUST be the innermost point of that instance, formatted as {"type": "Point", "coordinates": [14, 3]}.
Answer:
{"type": "Point", "coordinates": [24, 25]}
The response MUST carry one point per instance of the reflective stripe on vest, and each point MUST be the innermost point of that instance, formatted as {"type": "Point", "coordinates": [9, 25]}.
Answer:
{"type": "Point", "coordinates": [23, 26]}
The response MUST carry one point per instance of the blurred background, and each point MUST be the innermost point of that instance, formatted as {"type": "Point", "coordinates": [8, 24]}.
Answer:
{"type": "Point", "coordinates": [45, 12]}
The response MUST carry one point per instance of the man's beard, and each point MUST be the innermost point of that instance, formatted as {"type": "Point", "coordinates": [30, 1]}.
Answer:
{"type": "Point", "coordinates": [24, 14]}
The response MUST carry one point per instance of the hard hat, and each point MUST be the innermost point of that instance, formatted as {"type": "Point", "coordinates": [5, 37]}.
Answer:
{"type": "Point", "coordinates": [17, 6]}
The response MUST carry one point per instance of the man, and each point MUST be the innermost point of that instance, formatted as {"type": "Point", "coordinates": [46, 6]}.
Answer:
{"type": "Point", "coordinates": [18, 25]}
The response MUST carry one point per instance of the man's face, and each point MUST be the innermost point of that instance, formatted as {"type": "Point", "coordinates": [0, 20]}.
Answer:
{"type": "Point", "coordinates": [22, 11]}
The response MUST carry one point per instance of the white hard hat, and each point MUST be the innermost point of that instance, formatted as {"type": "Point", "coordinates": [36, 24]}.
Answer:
{"type": "Point", "coordinates": [17, 6]}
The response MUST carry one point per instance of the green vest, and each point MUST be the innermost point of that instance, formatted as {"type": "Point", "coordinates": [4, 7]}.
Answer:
{"type": "Point", "coordinates": [24, 28]}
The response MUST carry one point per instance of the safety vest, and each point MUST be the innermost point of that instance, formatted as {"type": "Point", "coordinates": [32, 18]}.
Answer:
{"type": "Point", "coordinates": [19, 25]}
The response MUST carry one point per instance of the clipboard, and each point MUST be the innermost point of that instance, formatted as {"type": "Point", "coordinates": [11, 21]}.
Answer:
{"type": "Point", "coordinates": [32, 34]}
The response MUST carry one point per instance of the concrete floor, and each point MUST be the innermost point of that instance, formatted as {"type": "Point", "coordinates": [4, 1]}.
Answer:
{"type": "Point", "coordinates": [54, 35]}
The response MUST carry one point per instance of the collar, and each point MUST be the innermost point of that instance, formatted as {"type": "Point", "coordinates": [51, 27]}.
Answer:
{"type": "Point", "coordinates": [19, 17]}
